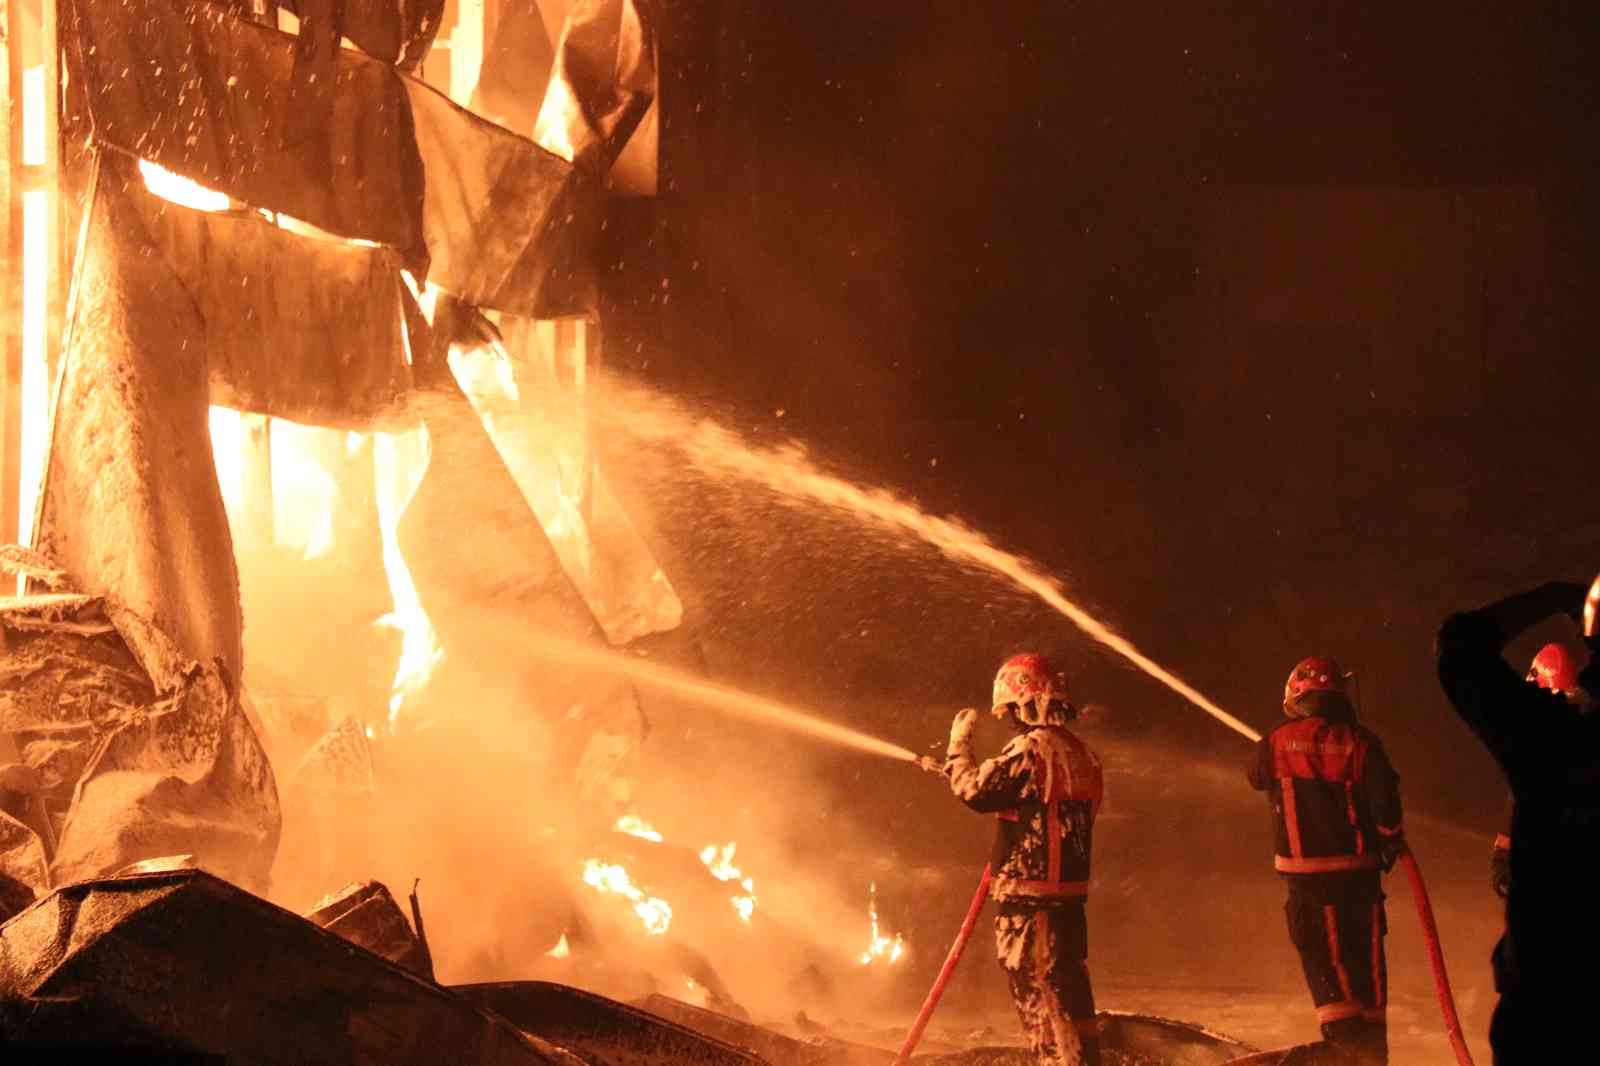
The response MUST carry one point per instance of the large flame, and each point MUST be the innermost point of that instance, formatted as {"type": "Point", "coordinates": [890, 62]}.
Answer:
{"type": "Point", "coordinates": [604, 877]}
{"type": "Point", "coordinates": [880, 945]}
{"type": "Point", "coordinates": [304, 490]}
{"type": "Point", "coordinates": [399, 460]}
{"type": "Point", "coordinates": [720, 862]}
{"type": "Point", "coordinates": [37, 250]}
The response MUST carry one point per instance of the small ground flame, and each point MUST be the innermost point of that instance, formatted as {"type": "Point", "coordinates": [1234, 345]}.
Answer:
{"type": "Point", "coordinates": [890, 949]}
{"type": "Point", "coordinates": [656, 914]}
{"type": "Point", "coordinates": [720, 862]}
{"type": "Point", "coordinates": [561, 950]}
{"type": "Point", "coordinates": [635, 826]}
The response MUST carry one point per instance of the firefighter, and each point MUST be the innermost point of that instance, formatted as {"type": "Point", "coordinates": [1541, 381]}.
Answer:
{"type": "Point", "coordinates": [1335, 800]}
{"type": "Point", "coordinates": [1548, 746]}
{"type": "Point", "coordinates": [1044, 788]}
{"type": "Point", "coordinates": [1553, 669]}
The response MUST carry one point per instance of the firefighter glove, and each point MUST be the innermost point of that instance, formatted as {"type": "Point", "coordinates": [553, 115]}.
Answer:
{"type": "Point", "coordinates": [1500, 872]}
{"type": "Point", "coordinates": [966, 720]}
{"type": "Point", "coordinates": [1390, 849]}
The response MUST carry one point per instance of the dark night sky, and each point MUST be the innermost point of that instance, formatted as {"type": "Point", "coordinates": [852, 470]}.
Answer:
{"type": "Point", "coordinates": [1266, 325]}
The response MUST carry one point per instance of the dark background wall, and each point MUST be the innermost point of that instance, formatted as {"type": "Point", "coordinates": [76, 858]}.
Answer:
{"type": "Point", "coordinates": [1268, 327]}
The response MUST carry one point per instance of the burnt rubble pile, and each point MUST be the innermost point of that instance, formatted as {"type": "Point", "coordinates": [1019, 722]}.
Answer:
{"type": "Point", "coordinates": [179, 965]}
{"type": "Point", "coordinates": [125, 749]}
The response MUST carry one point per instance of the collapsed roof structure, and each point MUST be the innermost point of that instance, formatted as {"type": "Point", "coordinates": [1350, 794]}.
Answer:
{"type": "Point", "coordinates": [344, 223]}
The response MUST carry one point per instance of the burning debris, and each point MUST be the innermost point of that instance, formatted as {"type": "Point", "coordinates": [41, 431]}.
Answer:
{"type": "Point", "coordinates": [881, 947]}
{"type": "Point", "coordinates": [603, 877]}
{"type": "Point", "coordinates": [720, 862]}
{"type": "Point", "coordinates": [633, 825]}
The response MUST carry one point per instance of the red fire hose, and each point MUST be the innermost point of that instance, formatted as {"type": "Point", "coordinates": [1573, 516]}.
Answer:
{"type": "Point", "coordinates": [978, 899]}
{"type": "Point", "coordinates": [1441, 978]}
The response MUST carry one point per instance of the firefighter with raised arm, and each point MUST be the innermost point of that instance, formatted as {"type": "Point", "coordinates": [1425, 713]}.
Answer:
{"type": "Point", "coordinates": [1554, 669]}
{"type": "Point", "coordinates": [1548, 746]}
{"type": "Point", "coordinates": [1335, 802]}
{"type": "Point", "coordinates": [1044, 789]}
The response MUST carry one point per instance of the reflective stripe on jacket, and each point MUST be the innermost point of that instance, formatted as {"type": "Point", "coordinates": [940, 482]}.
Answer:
{"type": "Point", "coordinates": [1333, 794]}
{"type": "Point", "coordinates": [1045, 788]}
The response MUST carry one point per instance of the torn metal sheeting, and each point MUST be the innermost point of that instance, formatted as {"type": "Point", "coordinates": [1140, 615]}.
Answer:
{"type": "Point", "coordinates": [600, 1029]}
{"type": "Point", "coordinates": [504, 223]}
{"type": "Point", "coordinates": [1173, 1043]}
{"type": "Point", "coordinates": [27, 563]}
{"type": "Point", "coordinates": [366, 914]}
{"type": "Point", "coordinates": [67, 680]}
{"type": "Point", "coordinates": [212, 97]}
{"type": "Point", "coordinates": [125, 770]}
{"type": "Point", "coordinates": [526, 404]}
{"type": "Point", "coordinates": [24, 866]}
{"type": "Point", "coordinates": [295, 328]}
{"type": "Point", "coordinates": [603, 83]}
{"type": "Point", "coordinates": [130, 501]}
{"type": "Point", "coordinates": [186, 962]}
{"type": "Point", "coordinates": [395, 31]}
{"type": "Point", "coordinates": [471, 586]}
{"type": "Point", "coordinates": [1124, 1038]}
{"type": "Point", "coordinates": [508, 225]}
{"type": "Point", "coordinates": [772, 1047]}
{"type": "Point", "coordinates": [188, 774]}
{"type": "Point", "coordinates": [339, 763]}
{"type": "Point", "coordinates": [517, 59]}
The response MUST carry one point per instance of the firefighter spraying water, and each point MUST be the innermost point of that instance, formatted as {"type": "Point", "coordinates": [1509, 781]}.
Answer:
{"type": "Point", "coordinates": [1336, 804]}
{"type": "Point", "coordinates": [1044, 789]}
{"type": "Point", "coordinates": [1337, 820]}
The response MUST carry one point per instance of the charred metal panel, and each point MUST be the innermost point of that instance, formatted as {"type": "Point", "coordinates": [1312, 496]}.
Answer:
{"type": "Point", "coordinates": [602, 1030]}
{"type": "Point", "coordinates": [388, 160]}
{"type": "Point", "coordinates": [188, 963]}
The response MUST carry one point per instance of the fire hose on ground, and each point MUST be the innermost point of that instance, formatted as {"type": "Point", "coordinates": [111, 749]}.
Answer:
{"type": "Point", "coordinates": [1419, 895]}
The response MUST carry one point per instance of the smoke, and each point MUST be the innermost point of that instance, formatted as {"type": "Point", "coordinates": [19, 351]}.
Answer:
{"type": "Point", "coordinates": [808, 600]}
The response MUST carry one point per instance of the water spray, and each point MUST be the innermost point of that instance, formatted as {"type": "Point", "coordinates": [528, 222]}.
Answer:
{"type": "Point", "coordinates": [788, 472]}
{"type": "Point", "coordinates": [724, 698]}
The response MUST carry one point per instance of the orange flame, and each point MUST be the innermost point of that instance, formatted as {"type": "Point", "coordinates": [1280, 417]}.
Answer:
{"type": "Point", "coordinates": [603, 877]}
{"type": "Point", "coordinates": [399, 461]}
{"type": "Point", "coordinates": [720, 862]}
{"type": "Point", "coordinates": [304, 491]}
{"type": "Point", "coordinates": [635, 826]}
{"type": "Point", "coordinates": [177, 189]}
{"type": "Point", "coordinates": [879, 944]}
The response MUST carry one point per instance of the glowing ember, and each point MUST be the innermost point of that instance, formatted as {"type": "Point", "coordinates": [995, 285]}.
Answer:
{"type": "Point", "coordinates": [880, 946]}
{"type": "Point", "coordinates": [720, 862]}
{"type": "Point", "coordinates": [635, 826]}
{"type": "Point", "coordinates": [561, 950]}
{"type": "Point", "coordinates": [656, 914]}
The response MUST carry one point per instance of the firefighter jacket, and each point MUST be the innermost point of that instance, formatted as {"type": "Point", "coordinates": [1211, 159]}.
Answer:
{"type": "Point", "coordinates": [1044, 789]}
{"type": "Point", "coordinates": [1335, 797]}
{"type": "Point", "coordinates": [1549, 748]}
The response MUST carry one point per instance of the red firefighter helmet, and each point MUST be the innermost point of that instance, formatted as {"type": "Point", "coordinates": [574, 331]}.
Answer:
{"type": "Point", "coordinates": [1591, 613]}
{"type": "Point", "coordinates": [1554, 669]}
{"type": "Point", "coordinates": [1026, 686]}
{"type": "Point", "coordinates": [1316, 674]}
